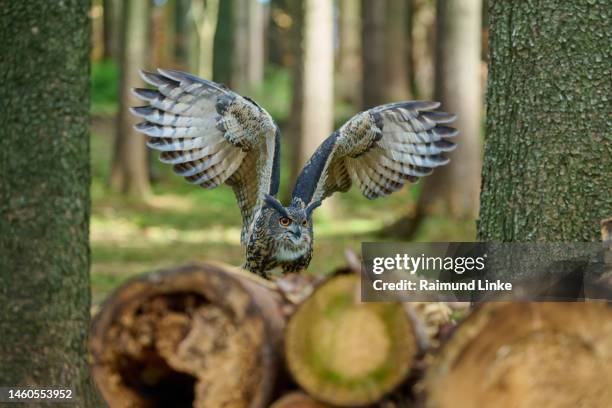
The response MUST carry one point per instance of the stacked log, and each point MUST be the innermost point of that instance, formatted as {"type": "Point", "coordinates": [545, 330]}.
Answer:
{"type": "Point", "coordinates": [199, 335]}
{"type": "Point", "coordinates": [525, 355]}
{"type": "Point", "coordinates": [210, 335]}
{"type": "Point", "coordinates": [346, 352]}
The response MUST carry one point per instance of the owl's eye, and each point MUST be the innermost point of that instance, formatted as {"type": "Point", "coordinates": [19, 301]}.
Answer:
{"type": "Point", "coordinates": [284, 221]}
{"type": "Point", "coordinates": [305, 223]}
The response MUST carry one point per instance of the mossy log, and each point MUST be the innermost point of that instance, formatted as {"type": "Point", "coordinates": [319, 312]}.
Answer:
{"type": "Point", "coordinates": [348, 353]}
{"type": "Point", "coordinates": [525, 355]}
{"type": "Point", "coordinates": [201, 335]}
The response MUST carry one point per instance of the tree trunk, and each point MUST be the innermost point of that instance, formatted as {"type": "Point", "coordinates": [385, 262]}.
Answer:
{"type": "Point", "coordinates": [248, 45]}
{"type": "Point", "coordinates": [454, 189]}
{"type": "Point", "coordinates": [373, 40]}
{"type": "Point", "coordinates": [160, 36]}
{"type": "Point", "coordinates": [129, 172]}
{"type": "Point", "coordinates": [111, 21]}
{"type": "Point", "coordinates": [348, 353]}
{"type": "Point", "coordinates": [422, 46]}
{"type": "Point", "coordinates": [385, 52]}
{"type": "Point", "coordinates": [223, 43]}
{"type": "Point", "coordinates": [203, 16]}
{"type": "Point", "coordinates": [525, 354]}
{"type": "Point", "coordinates": [312, 110]}
{"type": "Point", "coordinates": [44, 196]}
{"type": "Point", "coordinates": [397, 86]}
{"type": "Point", "coordinates": [201, 335]}
{"type": "Point", "coordinates": [255, 73]}
{"type": "Point", "coordinates": [548, 152]}
{"type": "Point", "coordinates": [349, 56]}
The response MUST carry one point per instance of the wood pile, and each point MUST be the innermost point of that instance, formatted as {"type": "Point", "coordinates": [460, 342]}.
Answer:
{"type": "Point", "coordinates": [211, 335]}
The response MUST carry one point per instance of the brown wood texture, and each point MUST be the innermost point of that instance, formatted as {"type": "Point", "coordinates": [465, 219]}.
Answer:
{"type": "Point", "coordinates": [205, 335]}
{"type": "Point", "coordinates": [527, 355]}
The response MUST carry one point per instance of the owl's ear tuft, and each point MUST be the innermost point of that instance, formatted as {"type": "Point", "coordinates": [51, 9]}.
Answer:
{"type": "Point", "coordinates": [272, 202]}
{"type": "Point", "coordinates": [312, 207]}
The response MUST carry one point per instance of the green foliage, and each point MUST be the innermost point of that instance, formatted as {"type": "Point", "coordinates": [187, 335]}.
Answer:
{"type": "Point", "coordinates": [104, 83]}
{"type": "Point", "coordinates": [274, 95]}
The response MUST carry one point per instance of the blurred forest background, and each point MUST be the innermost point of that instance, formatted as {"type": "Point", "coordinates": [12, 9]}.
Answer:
{"type": "Point", "coordinates": [312, 65]}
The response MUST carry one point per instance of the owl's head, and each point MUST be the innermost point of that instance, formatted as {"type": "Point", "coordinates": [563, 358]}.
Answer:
{"type": "Point", "coordinates": [291, 226]}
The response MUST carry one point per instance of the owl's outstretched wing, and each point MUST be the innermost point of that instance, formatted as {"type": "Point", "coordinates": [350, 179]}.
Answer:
{"type": "Point", "coordinates": [378, 150]}
{"type": "Point", "coordinates": [211, 135]}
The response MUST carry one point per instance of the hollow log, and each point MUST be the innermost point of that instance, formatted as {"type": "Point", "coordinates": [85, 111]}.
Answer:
{"type": "Point", "coordinates": [348, 353]}
{"type": "Point", "coordinates": [202, 335]}
{"type": "Point", "coordinates": [525, 355]}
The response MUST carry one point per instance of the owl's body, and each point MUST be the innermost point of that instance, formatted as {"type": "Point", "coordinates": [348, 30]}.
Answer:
{"type": "Point", "coordinates": [214, 136]}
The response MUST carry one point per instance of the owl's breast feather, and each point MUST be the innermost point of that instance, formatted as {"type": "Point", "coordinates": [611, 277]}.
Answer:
{"type": "Point", "coordinates": [285, 254]}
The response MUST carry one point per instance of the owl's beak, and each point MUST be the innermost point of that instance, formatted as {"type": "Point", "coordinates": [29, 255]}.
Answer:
{"type": "Point", "coordinates": [296, 231]}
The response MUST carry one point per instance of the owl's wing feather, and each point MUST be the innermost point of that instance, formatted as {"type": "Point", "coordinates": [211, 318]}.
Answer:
{"type": "Point", "coordinates": [378, 150]}
{"type": "Point", "coordinates": [211, 135]}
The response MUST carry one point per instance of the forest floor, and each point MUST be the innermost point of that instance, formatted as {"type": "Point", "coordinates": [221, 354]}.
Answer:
{"type": "Point", "coordinates": [182, 223]}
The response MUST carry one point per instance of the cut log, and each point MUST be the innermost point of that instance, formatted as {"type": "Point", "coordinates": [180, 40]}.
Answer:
{"type": "Point", "coordinates": [297, 400]}
{"type": "Point", "coordinates": [348, 353]}
{"type": "Point", "coordinates": [525, 355]}
{"type": "Point", "coordinates": [201, 335]}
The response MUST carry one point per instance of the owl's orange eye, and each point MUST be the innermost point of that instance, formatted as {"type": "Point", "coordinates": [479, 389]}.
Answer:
{"type": "Point", "coordinates": [305, 223]}
{"type": "Point", "coordinates": [284, 221]}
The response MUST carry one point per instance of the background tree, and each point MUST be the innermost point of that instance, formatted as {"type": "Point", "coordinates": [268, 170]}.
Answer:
{"type": "Point", "coordinates": [223, 42]}
{"type": "Point", "coordinates": [454, 189]}
{"type": "Point", "coordinates": [111, 22]}
{"type": "Point", "coordinates": [422, 15]}
{"type": "Point", "coordinates": [548, 152]}
{"type": "Point", "coordinates": [373, 48]}
{"type": "Point", "coordinates": [312, 109]}
{"type": "Point", "coordinates": [130, 170]}
{"type": "Point", "coordinates": [349, 53]}
{"type": "Point", "coordinates": [385, 52]}
{"type": "Point", "coordinates": [248, 45]}
{"type": "Point", "coordinates": [397, 43]}
{"type": "Point", "coordinates": [44, 196]}
{"type": "Point", "coordinates": [202, 19]}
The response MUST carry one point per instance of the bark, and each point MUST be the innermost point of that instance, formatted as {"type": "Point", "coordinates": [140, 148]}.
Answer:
{"type": "Point", "coordinates": [423, 30]}
{"type": "Point", "coordinates": [348, 353]}
{"type": "Point", "coordinates": [160, 36]}
{"type": "Point", "coordinates": [164, 338]}
{"type": "Point", "coordinates": [223, 42]}
{"type": "Point", "coordinates": [525, 350]}
{"type": "Point", "coordinates": [385, 52]}
{"type": "Point", "coordinates": [397, 87]}
{"type": "Point", "coordinates": [203, 16]}
{"type": "Point", "coordinates": [44, 196]}
{"type": "Point", "coordinates": [248, 45]}
{"type": "Point", "coordinates": [129, 172]}
{"type": "Point", "coordinates": [181, 44]}
{"type": "Point", "coordinates": [312, 109]}
{"type": "Point", "coordinates": [349, 56]}
{"type": "Point", "coordinates": [257, 20]}
{"type": "Point", "coordinates": [111, 22]}
{"type": "Point", "coordinates": [373, 41]}
{"type": "Point", "coordinates": [454, 189]}
{"type": "Point", "coordinates": [548, 152]}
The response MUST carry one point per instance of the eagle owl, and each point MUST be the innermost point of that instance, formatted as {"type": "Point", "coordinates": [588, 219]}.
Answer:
{"type": "Point", "coordinates": [211, 135]}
